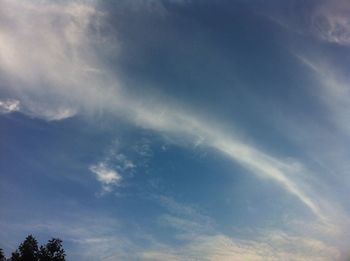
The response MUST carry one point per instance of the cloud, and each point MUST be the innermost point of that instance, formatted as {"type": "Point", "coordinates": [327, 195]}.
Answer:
{"type": "Point", "coordinates": [61, 85]}
{"type": "Point", "coordinates": [36, 110]}
{"type": "Point", "coordinates": [48, 113]}
{"type": "Point", "coordinates": [332, 89]}
{"type": "Point", "coordinates": [113, 168]}
{"type": "Point", "coordinates": [59, 114]}
{"type": "Point", "coordinates": [262, 164]}
{"type": "Point", "coordinates": [49, 55]}
{"type": "Point", "coordinates": [107, 176]}
{"type": "Point", "coordinates": [9, 105]}
{"type": "Point", "coordinates": [330, 21]}
{"type": "Point", "coordinates": [86, 234]}
{"type": "Point", "coordinates": [201, 240]}
{"type": "Point", "coordinates": [124, 163]}
{"type": "Point", "coordinates": [91, 235]}
{"type": "Point", "coordinates": [324, 20]}
{"type": "Point", "coordinates": [275, 246]}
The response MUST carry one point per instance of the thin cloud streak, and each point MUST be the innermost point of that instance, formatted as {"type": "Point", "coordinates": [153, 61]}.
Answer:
{"type": "Point", "coordinates": [333, 91]}
{"type": "Point", "coordinates": [258, 162]}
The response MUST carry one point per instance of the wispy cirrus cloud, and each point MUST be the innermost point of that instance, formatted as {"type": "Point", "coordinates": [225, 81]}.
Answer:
{"type": "Point", "coordinates": [36, 110]}
{"type": "Point", "coordinates": [97, 236]}
{"type": "Point", "coordinates": [50, 56]}
{"type": "Point", "coordinates": [275, 246]}
{"type": "Point", "coordinates": [202, 240]}
{"type": "Point", "coordinates": [326, 20]}
{"type": "Point", "coordinates": [332, 89]}
{"type": "Point", "coordinates": [70, 74]}
{"type": "Point", "coordinates": [86, 235]}
{"type": "Point", "coordinates": [330, 21]}
{"type": "Point", "coordinates": [60, 80]}
{"type": "Point", "coordinates": [47, 57]}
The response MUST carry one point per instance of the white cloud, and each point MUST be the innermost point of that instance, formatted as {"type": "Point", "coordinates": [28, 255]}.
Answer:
{"type": "Point", "coordinates": [58, 58]}
{"type": "Point", "coordinates": [48, 113]}
{"type": "Point", "coordinates": [48, 55]}
{"type": "Point", "coordinates": [60, 85]}
{"type": "Point", "coordinates": [37, 110]}
{"type": "Point", "coordinates": [202, 241]}
{"type": "Point", "coordinates": [332, 90]}
{"type": "Point", "coordinates": [107, 176]}
{"type": "Point", "coordinates": [86, 234]}
{"type": "Point", "coordinates": [9, 105]}
{"type": "Point", "coordinates": [179, 122]}
{"type": "Point", "coordinates": [96, 236]}
{"type": "Point", "coordinates": [60, 114]}
{"type": "Point", "coordinates": [113, 168]}
{"type": "Point", "coordinates": [275, 246]}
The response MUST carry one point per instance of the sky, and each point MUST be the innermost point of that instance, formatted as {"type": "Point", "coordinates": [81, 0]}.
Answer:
{"type": "Point", "coordinates": [176, 129]}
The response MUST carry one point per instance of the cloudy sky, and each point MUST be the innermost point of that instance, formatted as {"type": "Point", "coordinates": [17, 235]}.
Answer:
{"type": "Point", "coordinates": [176, 129]}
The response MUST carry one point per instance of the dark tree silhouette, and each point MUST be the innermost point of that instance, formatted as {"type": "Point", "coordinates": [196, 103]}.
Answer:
{"type": "Point", "coordinates": [2, 256]}
{"type": "Point", "coordinates": [29, 249]}
{"type": "Point", "coordinates": [15, 256]}
{"type": "Point", "coordinates": [52, 251]}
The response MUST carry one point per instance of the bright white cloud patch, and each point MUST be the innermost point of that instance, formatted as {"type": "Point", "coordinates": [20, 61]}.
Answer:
{"type": "Point", "coordinates": [46, 56]}
{"type": "Point", "coordinates": [107, 176]}
{"type": "Point", "coordinates": [9, 105]}
{"type": "Point", "coordinates": [37, 110]}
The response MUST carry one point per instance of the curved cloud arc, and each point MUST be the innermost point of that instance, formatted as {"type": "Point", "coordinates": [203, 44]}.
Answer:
{"type": "Point", "coordinates": [68, 74]}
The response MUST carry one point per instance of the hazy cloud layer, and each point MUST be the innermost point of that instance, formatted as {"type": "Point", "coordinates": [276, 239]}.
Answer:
{"type": "Point", "coordinates": [327, 21]}
{"type": "Point", "coordinates": [201, 240]}
{"type": "Point", "coordinates": [60, 59]}
{"type": "Point", "coordinates": [331, 22]}
{"type": "Point", "coordinates": [49, 53]}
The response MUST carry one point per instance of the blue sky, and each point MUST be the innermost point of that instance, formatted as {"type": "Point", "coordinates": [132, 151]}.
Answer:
{"type": "Point", "coordinates": [176, 130]}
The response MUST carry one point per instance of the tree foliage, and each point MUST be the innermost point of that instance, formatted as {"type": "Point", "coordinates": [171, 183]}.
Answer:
{"type": "Point", "coordinates": [15, 256]}
{"type": "Point", "coordinates": [28, 250]}
{"type": "Point", "coordinates": [52, 251]}
{"type": "Point", "coordinates": [2, 256]}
